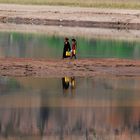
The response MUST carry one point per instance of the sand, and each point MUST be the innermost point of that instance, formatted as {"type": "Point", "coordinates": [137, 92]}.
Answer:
{"type": "Point", "coordinates": [70, 16]}
{"type": "Point", "coordinates": [60, 68]}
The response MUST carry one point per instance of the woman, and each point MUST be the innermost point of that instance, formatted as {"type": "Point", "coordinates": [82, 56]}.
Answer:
{"type": "Point", "coordinates": [73, 51]}
{"type": "Point", "coordinates": [67, 48]}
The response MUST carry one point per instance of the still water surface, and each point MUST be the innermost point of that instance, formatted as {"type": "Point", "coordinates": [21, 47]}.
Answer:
{"type": "Point", "coordinates": [43, 46]}
{"type": "Point", "coordinates": [70, 108]}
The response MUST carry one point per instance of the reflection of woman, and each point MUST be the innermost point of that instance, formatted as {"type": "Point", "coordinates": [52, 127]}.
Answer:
{"type": "Point", "coordinates": [72, 82]}
{"type": "Point", "coordinates": [68, 82]}
{"type": "Point", "coordinates": [67, 48]}
{"type": "Point", "coordinates": [73, 86]}
{"type": "Point", "coordinates": [65, 82]}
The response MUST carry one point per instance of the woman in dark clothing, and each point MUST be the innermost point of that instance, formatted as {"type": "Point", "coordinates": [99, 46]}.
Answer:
{"type": "Point", "coordinates": [67, 48]}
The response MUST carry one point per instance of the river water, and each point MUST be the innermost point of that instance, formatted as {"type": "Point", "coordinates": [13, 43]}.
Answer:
{"type": "Point", "coordinates": [42, 46]}
{"type": "Point", "coordinates": [70, 108]}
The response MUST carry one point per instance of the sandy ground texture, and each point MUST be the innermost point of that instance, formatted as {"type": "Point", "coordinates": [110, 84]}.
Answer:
{"type": "Point", "coordinates": [61, 68]}
{"type": "Point", "coordinates": [70, 16]}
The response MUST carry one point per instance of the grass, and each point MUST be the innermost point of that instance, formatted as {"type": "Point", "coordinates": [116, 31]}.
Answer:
{"type": "Point", "coordinates": [127, 4]}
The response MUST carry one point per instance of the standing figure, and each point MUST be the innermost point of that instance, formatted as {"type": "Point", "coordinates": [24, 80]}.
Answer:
{"type": "Point", "coordinates": [67, 48]}
{"type": "Point", "coordinates": [73, 51]}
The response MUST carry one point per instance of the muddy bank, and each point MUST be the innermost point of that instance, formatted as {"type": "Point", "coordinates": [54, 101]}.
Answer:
{"type": "Point", "coordinates": [70, 16]}
{"type": "Point", "coordinates": [71, 23]}
{"type": "Point", "coordinates": [61, 68]}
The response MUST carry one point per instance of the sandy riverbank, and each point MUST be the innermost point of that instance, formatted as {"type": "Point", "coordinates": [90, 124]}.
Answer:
{"type": "Point", "coordinates": [61, 68]}
{"type": "Point", "coordinates": [70, 16]}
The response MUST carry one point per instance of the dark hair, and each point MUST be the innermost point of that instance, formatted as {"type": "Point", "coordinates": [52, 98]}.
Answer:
{"type": "Point", "coordinates": [74, 40]}
{"type": "Point", "coordinates": [66, 38]}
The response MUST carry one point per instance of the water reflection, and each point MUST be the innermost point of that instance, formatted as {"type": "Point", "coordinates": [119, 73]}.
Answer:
{"type": "Point", "coordinates": [66, 122]}
{"type": "Point", "coordinates": [43, 46]}
{"type": "Point", "coordinates": [102, 108]}
{"type": "Point", "coordinates": [69, 83]}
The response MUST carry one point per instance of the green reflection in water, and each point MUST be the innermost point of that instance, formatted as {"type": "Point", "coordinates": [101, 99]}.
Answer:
{"type": "Point", "coordinates": [43, 46]}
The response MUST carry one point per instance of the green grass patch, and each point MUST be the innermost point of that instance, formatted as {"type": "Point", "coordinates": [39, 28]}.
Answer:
{"type": "Point", "coordinates": [127, 4]}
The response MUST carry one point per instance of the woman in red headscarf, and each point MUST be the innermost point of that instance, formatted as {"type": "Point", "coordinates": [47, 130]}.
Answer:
{"type": "Point", "coordinates": [73, 51]}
